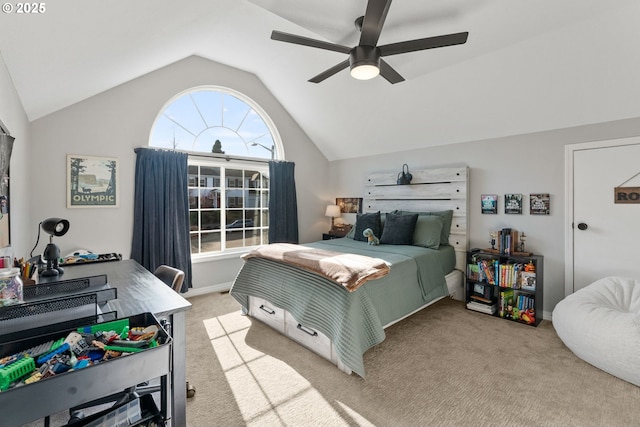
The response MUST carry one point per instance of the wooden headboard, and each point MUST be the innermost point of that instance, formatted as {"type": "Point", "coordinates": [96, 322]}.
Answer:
{"type": "Point", "coordinates": [430, 190]}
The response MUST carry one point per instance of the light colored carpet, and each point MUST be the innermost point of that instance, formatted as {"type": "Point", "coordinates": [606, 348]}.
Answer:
{"type": "Point", "coordinates": [444, 366]}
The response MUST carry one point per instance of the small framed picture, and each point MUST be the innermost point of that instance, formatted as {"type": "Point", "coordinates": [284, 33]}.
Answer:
{"type": "Point", "coordinates": [350, 204]}
{"type": "Point", "coordinates": [92, 182]}
{"type": "Point", "coordinates": [528, 281]}
{"type": "Point", "coordinates": [513, 203]}
{"type": "Point", "coordinates": [489, 203]}
{"type": "Point", "coordinates": [539, 204]}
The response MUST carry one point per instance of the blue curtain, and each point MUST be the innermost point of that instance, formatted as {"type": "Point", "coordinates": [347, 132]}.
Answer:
{"type": "Point", "coordinates": [161, 212]}
{"type": "Point", "coordinates": [283, 206]}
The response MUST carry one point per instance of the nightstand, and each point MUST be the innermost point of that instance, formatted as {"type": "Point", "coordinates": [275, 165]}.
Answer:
{"type": "Point", "coordinates": [328, 236]}
{"type": "Point", "coordinates": [337, 232]}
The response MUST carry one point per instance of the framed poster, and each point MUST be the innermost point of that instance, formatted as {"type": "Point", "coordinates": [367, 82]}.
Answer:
{"type": "Point", "coordinates": [489, 203]}
{"type": "Point", "coordinates": [92, 182]}
{"type": "Point", "coordinates": [513, 203]}
{"type": "Point", "coordinates": [349, 204]}
{"type": "Point", "coordinates": [539, 204]}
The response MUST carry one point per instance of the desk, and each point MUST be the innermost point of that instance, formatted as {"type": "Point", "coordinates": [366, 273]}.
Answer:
{"type": "Point", "coordinates": [139, 291]}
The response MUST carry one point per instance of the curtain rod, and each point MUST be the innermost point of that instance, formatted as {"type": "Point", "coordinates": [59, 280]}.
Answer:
{"type": "Point", "coordinates": [207, 155]}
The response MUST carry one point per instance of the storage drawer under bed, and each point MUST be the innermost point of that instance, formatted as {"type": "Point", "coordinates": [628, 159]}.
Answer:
{"type": "Point", "coordinates": [314, 340]}
{"type": "Point", "coordinates": [266, 312]}
{"type": "Point", "coordinates": [283, 322]}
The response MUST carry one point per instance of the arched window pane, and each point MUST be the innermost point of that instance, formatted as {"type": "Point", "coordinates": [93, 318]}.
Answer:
{"type": "Point", "coordinates": [211, 120]}
{"type": "Point", "coordinates": [210, 105]}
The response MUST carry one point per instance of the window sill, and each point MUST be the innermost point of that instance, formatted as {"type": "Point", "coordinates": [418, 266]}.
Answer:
{"type": "Point", "coordinates": [230, 254]}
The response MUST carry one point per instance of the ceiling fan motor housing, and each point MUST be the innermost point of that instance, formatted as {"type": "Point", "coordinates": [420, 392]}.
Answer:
{"type": "Point", "coordinates": [364, 55]}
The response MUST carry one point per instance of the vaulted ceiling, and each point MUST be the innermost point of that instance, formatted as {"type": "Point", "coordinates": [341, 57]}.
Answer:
{"type": "Point", "coordinates": [527, 66]}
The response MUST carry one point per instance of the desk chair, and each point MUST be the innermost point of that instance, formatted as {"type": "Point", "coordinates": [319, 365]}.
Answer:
{"type": "Point", "coordinates": [174, 278]}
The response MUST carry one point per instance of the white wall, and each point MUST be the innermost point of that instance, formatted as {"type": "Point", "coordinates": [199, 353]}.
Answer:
{"type": "Point", "coordinates": [21, 193]}
{"type": "Point", "coordinates": [115, 122]}
{"type": "Point", "coordinates": [525, 164]}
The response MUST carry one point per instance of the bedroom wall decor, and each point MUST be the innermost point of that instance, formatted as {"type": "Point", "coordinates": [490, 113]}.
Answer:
{"type": "Point", "coordinates": [539, 204]}
{"type": "Point", "coordinates": [92, 181]}
{"type": "Point", "coordinates": [349, 204]}
{"type": "Point", "coordinates": [626, 194]}
{"type": "Point", "coordinates": [489, 203]}
{"type": "Point", "coordinates": [513, 203]}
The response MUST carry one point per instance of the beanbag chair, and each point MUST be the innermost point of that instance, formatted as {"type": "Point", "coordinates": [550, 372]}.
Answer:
{"type": "Point", "coordinates": [600, 323]}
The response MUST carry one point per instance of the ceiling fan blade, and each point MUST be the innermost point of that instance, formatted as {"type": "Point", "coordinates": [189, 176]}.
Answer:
{"type": "Point", "coordinates": [306, 41]}
{"type": "Point", "coordinates": [374, 19]}
{"type": "Point", "coordinates": [389, 73]}
{"type": "Point", "coordinates": [422, 44]}
{"type": "Point", "coordinates": [330, 72]}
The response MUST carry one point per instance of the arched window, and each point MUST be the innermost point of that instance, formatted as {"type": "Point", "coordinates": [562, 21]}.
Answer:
{"type": "Point", "coordinates": [229, 139]}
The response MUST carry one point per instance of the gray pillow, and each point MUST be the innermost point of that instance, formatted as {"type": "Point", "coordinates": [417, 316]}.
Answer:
{"type": "Point", "coordinates": [352, 232]}
{"type": "Point", "coordinates": [367, 220]}
{"type": "Point", "coordinates": [398, 229]}
{"type": "Point", "coordinates": [428, 231]}
{"type": "Point", "coordinates": [447, 217]}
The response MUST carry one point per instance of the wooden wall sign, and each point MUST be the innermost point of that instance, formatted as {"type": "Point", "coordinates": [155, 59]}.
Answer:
{"type": "Point", "coordinates": [627, 194]}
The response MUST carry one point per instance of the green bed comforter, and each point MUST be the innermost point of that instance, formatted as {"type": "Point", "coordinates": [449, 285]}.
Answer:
{"type": "Point", "coordinates": [354, 321]}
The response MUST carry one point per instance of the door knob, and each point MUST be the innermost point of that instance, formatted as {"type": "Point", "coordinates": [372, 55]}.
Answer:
{"type": "Point", "coordinates": [582, 226]}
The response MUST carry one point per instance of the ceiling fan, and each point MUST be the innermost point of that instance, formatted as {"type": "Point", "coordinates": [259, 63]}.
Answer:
{"type": "Point", "coordinates": [365, 59]}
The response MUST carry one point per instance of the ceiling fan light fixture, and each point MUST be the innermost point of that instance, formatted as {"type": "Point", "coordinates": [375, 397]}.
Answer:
{"type": "Point", "coordinates": [364, 62]}
{"type": "Point", "coordinates": [364, 72]}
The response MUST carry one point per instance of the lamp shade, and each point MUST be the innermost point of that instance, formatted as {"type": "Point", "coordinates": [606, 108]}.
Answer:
{"type": "Point", "coordinates": [55, 226]}
{"type": "Point", "coordinates": [332, 211]}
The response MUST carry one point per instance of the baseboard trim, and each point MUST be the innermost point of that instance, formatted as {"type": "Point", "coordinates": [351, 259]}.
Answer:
{"type": "Point", "coordinates": [221, 287]}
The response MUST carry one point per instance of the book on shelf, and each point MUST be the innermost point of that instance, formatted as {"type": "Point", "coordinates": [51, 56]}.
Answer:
{"type": "Point", "coordinates": [524, 310]}
{"type": "Point", "coordinates": [506, 303]}
{"type": "Point", "coordinates": [473, 272]}
{"type": "Point", "coordinates": [479, 299]}
{"type": "Point", "coordinates": [508, 243]}
{"type": "Point", "coordinates": [486, 266]}
{"type": "Point", "coordinates": [483, 308]}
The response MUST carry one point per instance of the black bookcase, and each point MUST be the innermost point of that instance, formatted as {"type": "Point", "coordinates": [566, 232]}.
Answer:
{"type": "Point", "coordinates": [510, 287]}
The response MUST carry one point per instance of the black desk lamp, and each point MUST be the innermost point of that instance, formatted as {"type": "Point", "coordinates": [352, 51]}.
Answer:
{"type": "Point", "coordinates": [55, 227]}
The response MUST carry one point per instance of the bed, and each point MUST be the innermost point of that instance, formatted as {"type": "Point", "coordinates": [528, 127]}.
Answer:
{"type": "Point", "coordinates": [342, 324]}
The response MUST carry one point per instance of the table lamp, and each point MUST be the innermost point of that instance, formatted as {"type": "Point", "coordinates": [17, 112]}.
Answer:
{"type": "Point", "coordinates": [55, 227]}
{"type": "Point", "coordinates": [334, 212]}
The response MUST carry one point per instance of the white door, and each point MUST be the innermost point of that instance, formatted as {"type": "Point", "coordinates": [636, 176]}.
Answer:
{"type": "Point", "coordinates": [605, 236]}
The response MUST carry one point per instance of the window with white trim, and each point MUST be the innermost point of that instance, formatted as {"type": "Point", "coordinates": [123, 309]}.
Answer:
{"type": "Point", "coordinates": [230, 140]}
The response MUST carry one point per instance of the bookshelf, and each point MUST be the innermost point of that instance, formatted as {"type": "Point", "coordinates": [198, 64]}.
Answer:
{"type": "Point", "coordinates": [508, 286]}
